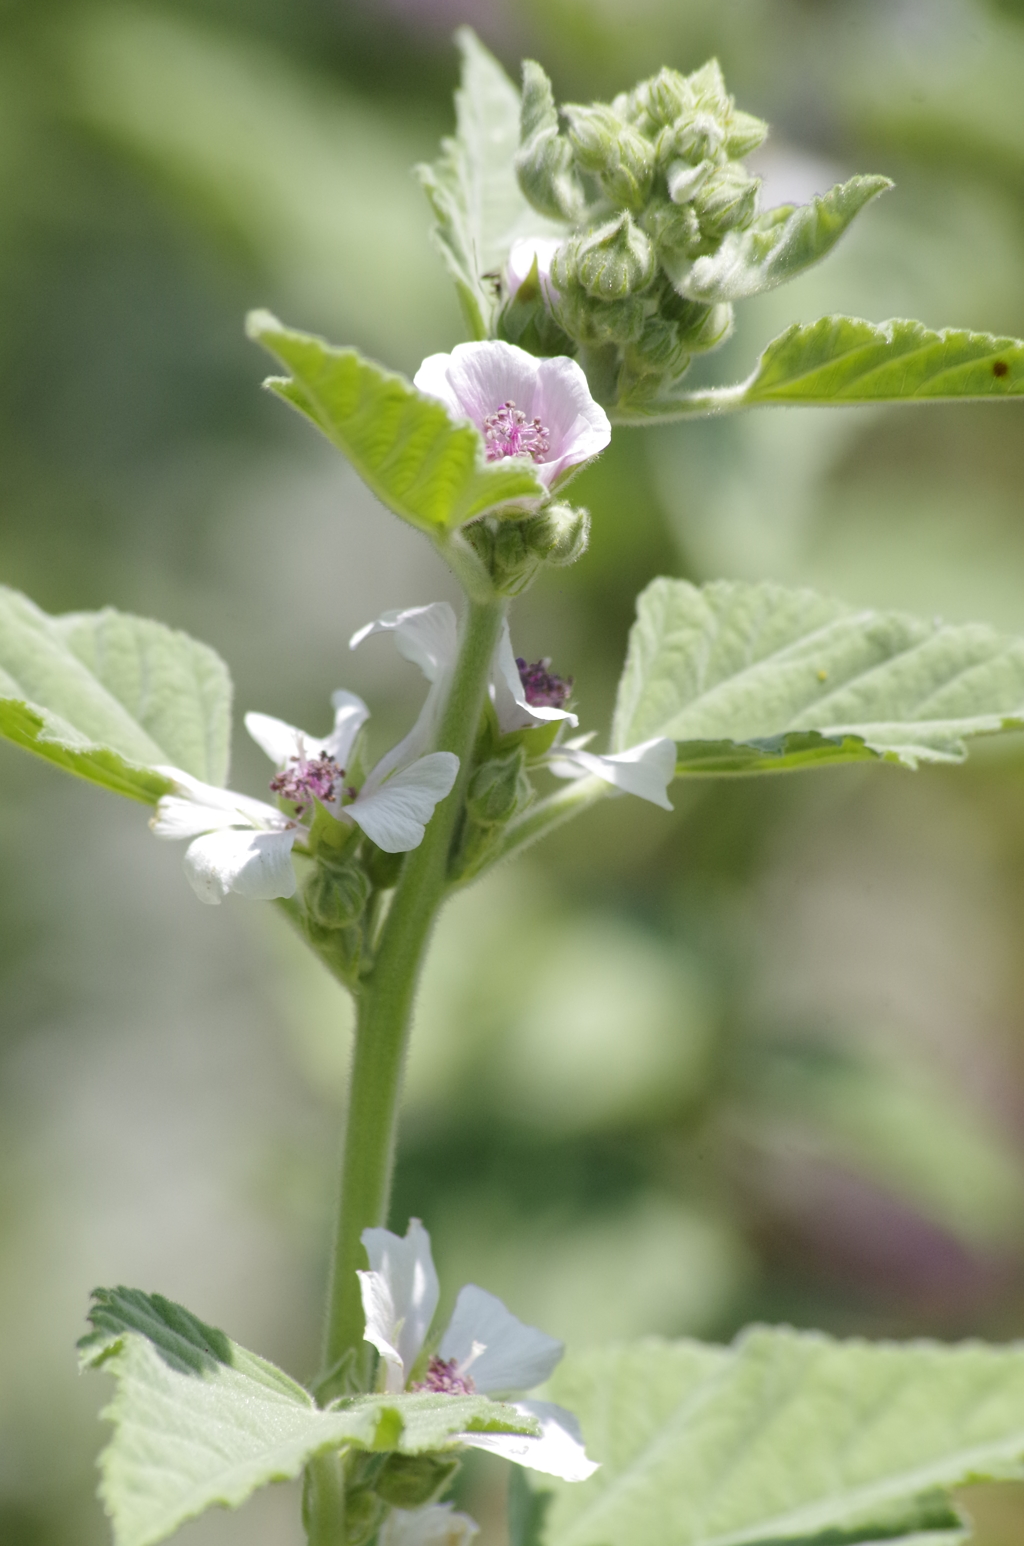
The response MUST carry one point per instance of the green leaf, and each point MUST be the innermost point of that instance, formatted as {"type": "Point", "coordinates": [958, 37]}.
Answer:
{"type": "Point", "coordinates": [753, 678]}
{"type": "Point", "coordinates": [199, 1421]}
{"type": "Point", "coordinates": [427, 468]}
{"type": "Point", "coordinates": [779, 247]}
{"type": "Point", "coordinates": [839, 360]}
{"type": "Point", "coordinates": [472, 187]}
{"type": "Point", "coordinates": [784, 1437]}
{"type": "Point", "coordinates": [109, 696]}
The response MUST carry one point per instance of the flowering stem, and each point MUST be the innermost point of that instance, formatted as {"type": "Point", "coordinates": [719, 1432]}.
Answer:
{"type": "Point", "coordinates": [387, 994]}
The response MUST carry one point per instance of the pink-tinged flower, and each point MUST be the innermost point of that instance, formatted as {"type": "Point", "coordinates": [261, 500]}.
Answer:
{"type": "Point", "coordinates": [522, 406]}
{"type": "Point", "coordinates": [485, 1350]}
{"type": "Point", "coordinates": [525, 251]}
{"type": "Point", "coordinates": [645, 770]}
{"type": "Point", "coordinates": [436, 1525]}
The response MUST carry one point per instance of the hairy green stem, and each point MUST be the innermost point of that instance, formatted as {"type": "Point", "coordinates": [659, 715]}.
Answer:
{"type": "Point", "coordinates": [387, 994]}
{"type": "Point", "coordinates": [323, 1500]}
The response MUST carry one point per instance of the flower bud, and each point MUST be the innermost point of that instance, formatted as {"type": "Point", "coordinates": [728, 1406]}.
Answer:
{"type": "Point", "coordinates": [498, 789]}
{"type": "Point", "coordinates": [727, 201]}
{"type": "Point", "coordinates": [335, 894]}
{"type": "Point", "coordinates": [708, 87]}
{"type": "Point", "coordinates": [674, 228]}
{"type": "Point", "coordinates": [685, 181]}
{"type": "Point", "coordinates": [559, 534]}
{"type": "Point", "coordinates": [615, 260]}
{"type": "Point", "coordinates": [696, 137]}
{"type": "Point", "coordinates": [660, 350]}
{"type": "Point", "coordinates": [617, 155]}
{"type": "Point", "coordinates": [363, 1513]}
{"type": "Point", "coordinates": [544, 161]}
{"type": "Point", "coordinates": [744, 134]}
{"type": "Point", "coordinates": [664, 98]}
{"type": "Point", "coordinates": [709, 327]}
{"type": "Point", "coordinates": [410, 1481]}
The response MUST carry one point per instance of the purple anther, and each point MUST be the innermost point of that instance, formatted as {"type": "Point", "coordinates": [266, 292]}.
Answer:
{"type": "Point", "coordinates": [543, 689]}
{"type": "Point", "coordinates": [444, 1378]}
{"type": "Point", "coordinates": [508, 432]}
{"type": "Point", "coordinates": [304, 780]}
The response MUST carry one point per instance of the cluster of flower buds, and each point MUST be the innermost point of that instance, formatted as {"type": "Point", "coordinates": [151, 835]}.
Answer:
{"type": "Point", "coordinates": [641, 186]}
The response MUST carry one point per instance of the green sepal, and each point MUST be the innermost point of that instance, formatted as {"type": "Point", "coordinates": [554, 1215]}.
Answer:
{"type": "Point", "coordinates": [429, 469]}
{"type": "Point", "coordinates": [753, 678]}
{"type": "Point", "coordinates": [109, 697]}
{"type": "Point", "coordinates": [200, 1421]}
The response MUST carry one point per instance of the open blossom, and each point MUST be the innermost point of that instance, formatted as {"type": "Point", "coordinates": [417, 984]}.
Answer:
{"type": "Point", "coordinates": [522, 406]}
{"type": "Point", "coordinates": [436, 1525]}
{"type": "Point", "coordinates": [485, 1349]}
{"type": "Point", "coordinates": [244, 845]}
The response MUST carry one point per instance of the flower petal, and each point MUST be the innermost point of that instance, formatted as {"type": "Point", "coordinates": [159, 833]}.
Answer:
{"type": "Point", "coordinates": [509, 697]}
{"type": "Point", "coordinates": [425, 635]}
{"type": "Point", "coordinates": [520, 264]}
{"type": "Point", "coordinates": [280, 741]}
{"type": "Point", "coordinates": [432, 380]}
{"type": "Point", "coordinates": [395, 814]}
{"type": "Point", "coordinates": [514, 1357]}
{"type": "Point", "coordinates": [196, 807]}
{"type": "Point", "coordinates": [558, 1450]}
{"type": "Point", "coordinates": [435, 1525]}
{"type": "Point", "coordinates": [400, 1295]}
{"type": "Point", "coordinates": [645, 770]}
{"type": "Point", "coordinates": [257, 865]}
{"type": "Point", "coordinates": [578, 428]}
{"type": "Point", "coordinates": [350, 715]}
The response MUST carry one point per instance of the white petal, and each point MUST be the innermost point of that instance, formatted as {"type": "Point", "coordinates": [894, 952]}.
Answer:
{"type": "Point", "coordinates": [558, 1450]}
{"type": "Point", "coordinates": [350, 715]}
{"type": "Point", "coordinates": [520, 263]}
{"type": "Point", "coordinates": [383, 1327]}
{"type": "Point", "coordinates": [280, 741]}
{"type": "Point", "coordinates": [509, 697]}
{"type": "Point", "coordinates": [403, 1315]}
{"type": "Point", "coordinates": [432, 380]}
{"type": "Point", "coordinates": [196, 807]}
{"type": "Point", "coordinates": [435, 1525]}
{"type": "Point", "coordinates": [578, 428]}
{"type": "Point", "coordinates": [425, 635]}
{"type": "Point", "coordinates": [515, 1357]}
{"type": "Point", "coordinates": [257, 865]}
{"type": "Point", "coordinates": [482, 376]}
{"type": "Point", "coordinates": [395, 814]}
{"type": "Point", "coordinates": [645, 770]}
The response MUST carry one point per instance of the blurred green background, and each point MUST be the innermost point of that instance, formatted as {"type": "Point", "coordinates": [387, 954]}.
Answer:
{"type": "Point", "coordinates": [762, 1059]}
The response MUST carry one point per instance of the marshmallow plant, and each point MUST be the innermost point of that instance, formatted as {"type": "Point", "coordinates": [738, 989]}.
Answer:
{"type": "Point", "coordinates": [596, 249]}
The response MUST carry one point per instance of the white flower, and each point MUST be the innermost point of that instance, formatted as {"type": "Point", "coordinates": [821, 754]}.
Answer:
{"type": "Point", "coordinates": [239, 844]}
{"type": "Point", "coordinates": [485, 1349]}
{"type": "Point", "coordinates": [524, 252]}
{"type": "Point", "coordinates": [435, 1525]}
{"type": "Point", "coordinates": [645, 770]}
{"type": "Point", "coordinates": [428, 637]}
{"type": "Point", "coordinates": [522, 406]}
{"type": "Point", "coordinates": [398, 796]}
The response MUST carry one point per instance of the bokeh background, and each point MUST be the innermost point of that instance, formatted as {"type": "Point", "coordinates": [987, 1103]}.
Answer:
{"type": "Point", "coordinates": [760, 1059]}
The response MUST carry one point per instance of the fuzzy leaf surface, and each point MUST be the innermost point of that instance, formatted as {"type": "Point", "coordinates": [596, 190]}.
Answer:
{"type": "Point", "coordinates": [199, 1421]}
{"type": "Point", "coordinates": [785, 1437]}
{"type": "Point", "coordinates": [764, 256]}
{"type": "Point", "coordinates": [843, 360]}
{"type": "Point", "coordinates": [472, 186]}
{"type": "Point", "coordinates": [109, 696]}
{"type": "Point", "coordinates": [751, 678]}
{"type": "Point", "coordinates": [427, 468]}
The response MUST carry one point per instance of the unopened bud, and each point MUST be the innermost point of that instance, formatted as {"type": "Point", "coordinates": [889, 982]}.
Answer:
{"type": "Point", "coordinates": [559, 534]}
{"type": "Point", "coordinates": [727, 201]}
{"type": "Point", "coordinates": [696, 137]}
{"type": "Point", "coordinates": [335, 895]}
{"type": "Point", "coordinates": [363, 1513]}
{"type": "Point", "coordinates": [659, 350]}
{"type": "Point", "coordinates": [619, 156]}
{"type": "Point", "coordinates": [665, 97]}
{"type": "Point", "coordinates": [615, 260]}
{"type": "Point", "coordinates": [674, 228]}
{"type": "Point", "coordinates": [708, 327]}
{"type": "Point", "coordinates": [544, 161]}
{"type": "Point", "coordinates": [498, 789]}
{"type": "Point", "coordinates": [684, 180]}
{"type": "Point", "coordinates": [744, 134]}
{"type": "Point", "coordinates": [410, 1481]}
{"type": "Point", "coordinates": [708, 87]}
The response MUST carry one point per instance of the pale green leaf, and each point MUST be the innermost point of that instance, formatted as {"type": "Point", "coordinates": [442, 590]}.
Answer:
{"type": "Point", "coordinates": [427, 468]}
{"type": "Point", "coordinates": [198, 1421]}
{"type": "Point", "coordinates": [472, 187]}
{"type": "Point", "coordinates": [777, 249]}
{"type": "Point", "coordinates": [839, 360]}
{"type": "Point", "coordinates": [109, 696]}
{"type": "Point", "coordinates": [749, 678]}
{"type": "Point", "coordinates": [784, 1437]}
